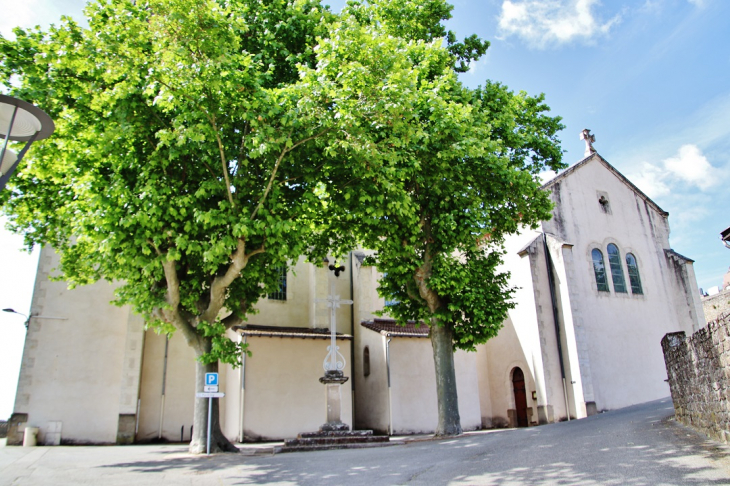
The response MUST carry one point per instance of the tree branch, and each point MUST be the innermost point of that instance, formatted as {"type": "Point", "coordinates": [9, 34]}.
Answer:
{"type": "Point", "coordinates": [232, 320]}
{"type": "Point", "coordinates": [221, 282]}
{"type": "Point", "coordinates": [211, 119]}
{"type": "Point", "coordinates": [173, 314]}
{"type": "Point", "coordinates": [276, 168]}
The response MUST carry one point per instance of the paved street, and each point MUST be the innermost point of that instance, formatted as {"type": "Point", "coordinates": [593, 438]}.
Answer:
{"type": "Point", "coordinates": [634, 446]}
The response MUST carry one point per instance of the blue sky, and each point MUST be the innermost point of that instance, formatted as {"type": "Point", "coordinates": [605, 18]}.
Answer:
{"type": "Point", "coordinates": [650, 78]}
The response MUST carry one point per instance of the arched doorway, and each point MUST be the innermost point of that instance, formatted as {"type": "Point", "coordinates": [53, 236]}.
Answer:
{"type": "Point", "coordinates": [518, 385]}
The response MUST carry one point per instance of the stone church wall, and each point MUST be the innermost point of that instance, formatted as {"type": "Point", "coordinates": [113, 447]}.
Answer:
{"type": "Point", "coordinates": [699, 377]}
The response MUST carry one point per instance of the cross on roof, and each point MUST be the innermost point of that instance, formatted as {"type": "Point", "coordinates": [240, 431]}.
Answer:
{"type": "Point", "coordinates": [589, 139]}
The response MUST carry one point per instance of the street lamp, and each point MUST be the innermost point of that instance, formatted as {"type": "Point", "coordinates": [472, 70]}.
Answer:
{"type": "Point", "coordinates": [13, 311]}
{"type": "Point", "coordinates": [20, 121]}
{"type": "Point", "coordinates": [33, 316]}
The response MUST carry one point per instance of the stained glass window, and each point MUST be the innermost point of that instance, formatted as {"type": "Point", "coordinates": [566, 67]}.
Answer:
{"type": "Point", "coordinates": [634, 278]}
{"type": "Point", "coordinates": [617, 273]}
{"type": "Point", "coordinates": [599, 268]}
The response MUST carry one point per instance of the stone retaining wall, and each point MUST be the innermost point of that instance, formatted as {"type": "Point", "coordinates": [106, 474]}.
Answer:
{"type": "Point", "coordinates": [716, 305]}
{"type": "Point", "coordinates": [699, 377]}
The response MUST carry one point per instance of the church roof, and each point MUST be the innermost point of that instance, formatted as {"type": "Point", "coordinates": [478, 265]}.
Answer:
{"type": "Point", "coordinates": [288, 332]}
{"type": "Point", "coordinates": [673, 254]}
{"type": "Point", "coordinates": [389, 327]}
{"type": "Point", "coordinates": [612, 169]}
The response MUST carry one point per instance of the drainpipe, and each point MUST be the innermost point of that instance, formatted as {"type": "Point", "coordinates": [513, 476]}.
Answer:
{"type": "Point", "coordinates": [139, 385]}
{"type": "Point", "coordinates": [243, 388]}
{"type": "Point", "coordinates": [352, 343]}
{"type": "Point", "coordinates": [164, 380]}
{"type": "Point", "coordinates": [553, 301]}
{"type": "Point", "coordinates": [390, 394]}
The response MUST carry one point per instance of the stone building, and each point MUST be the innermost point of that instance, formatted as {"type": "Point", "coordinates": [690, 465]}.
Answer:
{"type": "Point", "coordinates": [718, 305]}
{"type": "Point", "coordinates": [598, 288]}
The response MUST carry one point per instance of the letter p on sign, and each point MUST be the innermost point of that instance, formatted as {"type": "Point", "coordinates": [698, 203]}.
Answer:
{"type": "Point", "coordinates": [211, 378]}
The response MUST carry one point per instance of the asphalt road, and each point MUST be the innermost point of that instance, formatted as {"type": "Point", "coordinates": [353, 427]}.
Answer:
{"type": "Point", "coordinates": [638, 445]}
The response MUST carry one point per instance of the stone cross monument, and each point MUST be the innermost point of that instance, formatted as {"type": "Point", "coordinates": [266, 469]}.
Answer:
{"type": "Point", "coordinates": [333, 365]}
{"type": "Point", "coordinates": [334, 434]}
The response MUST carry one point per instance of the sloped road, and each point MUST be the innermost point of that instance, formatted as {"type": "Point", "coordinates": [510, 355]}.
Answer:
{"type": "Point", "coordinates": [634, 446]}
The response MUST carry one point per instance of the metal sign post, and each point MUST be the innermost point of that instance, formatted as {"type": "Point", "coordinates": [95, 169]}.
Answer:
{"type": "Point", "coordinates": [210, 397]}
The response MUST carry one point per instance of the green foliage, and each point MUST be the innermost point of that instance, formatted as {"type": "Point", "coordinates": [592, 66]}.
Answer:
{"type": "Point", "coordinates": [202, 145]}
{"type": "Point", "coordinates": [183, 133]}
{"type": "Point", "coordinates": [454, 172]}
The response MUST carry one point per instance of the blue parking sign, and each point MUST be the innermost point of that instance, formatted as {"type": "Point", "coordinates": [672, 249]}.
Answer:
{"type": "Point", "coordinates": [211, 378]}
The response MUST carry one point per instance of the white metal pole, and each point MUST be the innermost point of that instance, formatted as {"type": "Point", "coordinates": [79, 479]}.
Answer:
{"type": "Point", "coordinates": [210, 412]}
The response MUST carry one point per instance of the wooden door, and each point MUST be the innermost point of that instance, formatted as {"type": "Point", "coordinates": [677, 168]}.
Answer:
{"type": "Point", "coordinates": [518, 384]}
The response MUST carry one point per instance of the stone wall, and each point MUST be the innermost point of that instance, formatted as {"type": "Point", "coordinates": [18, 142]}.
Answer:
{"type": "Point", "coordinates": [699, 377]}
{"type": "Point", "coordinates": [716, 305]}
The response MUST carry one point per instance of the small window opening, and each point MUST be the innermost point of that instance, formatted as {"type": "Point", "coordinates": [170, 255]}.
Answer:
{"type": "Point", "coordinates": [366, 361]}
{"type": "Point", "coordinates": [604, 203]}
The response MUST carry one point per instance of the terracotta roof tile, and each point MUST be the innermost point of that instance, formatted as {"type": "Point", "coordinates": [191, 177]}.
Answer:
{"type": "Point", "coordinates": [390, 327]}
{"type": "Point", "coordinates": [287, 331]}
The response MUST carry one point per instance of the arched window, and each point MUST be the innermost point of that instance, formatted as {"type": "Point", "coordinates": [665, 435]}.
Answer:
{"type": "Point", "coordinates": [600, 270]}
{"type": "Point", "coordinates": [634, 278]}
{"type": "Point", "coordinates": [617, 273]}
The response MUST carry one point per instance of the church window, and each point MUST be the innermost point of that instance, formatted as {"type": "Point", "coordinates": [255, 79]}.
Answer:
{"type": "Point", "coordinates": [280, 294]}
{"type": "Point", "coordinates": [604, 202]}
{"type": "Point", "coordinates": [366, 361]}
{"type": "Point", "coordinates": [599, 268]}
{"type": "Point", "coordinates": [390, 301]}
{"type": "Point", "coordinates": [634, 279]}
{"type": "Point", "coordinates": [617, 272]}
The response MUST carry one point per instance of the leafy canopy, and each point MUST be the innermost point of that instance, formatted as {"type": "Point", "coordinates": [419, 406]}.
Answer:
{"type": "Point", "coordinates": [458, 170]}
{"type": "Point", "coordinates": [195, 141]}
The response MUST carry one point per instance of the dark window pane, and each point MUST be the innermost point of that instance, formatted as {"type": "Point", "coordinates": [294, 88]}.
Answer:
{"type": "Point", "coordinates": [617, 273]}
{"type": "Point", "coordinates": [634, 279]}
{"type": "Point", "coordinates": [600, 270]}
{"type": "Point", "coordinates": [366, 361]}
{"type": "Point", "coordinates": [280, 294]}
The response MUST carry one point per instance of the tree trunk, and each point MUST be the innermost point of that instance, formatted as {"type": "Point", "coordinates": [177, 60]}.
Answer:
{"type": "Point", "coordinates": [218, 441]}
{"type": "Point", "coordinates": [448, 403]}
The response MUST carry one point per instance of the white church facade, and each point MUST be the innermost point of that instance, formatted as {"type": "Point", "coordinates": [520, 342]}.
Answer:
{"type": "Point", "coordinates": [598, 287]}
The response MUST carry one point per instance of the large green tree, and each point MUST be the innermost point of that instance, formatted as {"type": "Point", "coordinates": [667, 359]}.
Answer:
{"type": "Point", "coordinates": [458, 170]}
{"type": "Point", "coordinates": [195, 141]}
{"type": "Point", "coordinates": [181, 162]}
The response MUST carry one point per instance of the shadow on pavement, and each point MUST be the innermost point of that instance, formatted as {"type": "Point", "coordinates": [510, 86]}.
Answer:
{"type": "Point", "coordinates": [635, 446]}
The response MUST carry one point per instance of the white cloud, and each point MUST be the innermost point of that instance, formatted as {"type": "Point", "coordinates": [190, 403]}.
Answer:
{"type": "Point", "coordinates": [547, 22]}
{"type": "Point", "coordinates": [649, 180]}
{"type": "Point", "coordinates": [689, 167]}
{"type": "Point", "coordinates": [698, 3]}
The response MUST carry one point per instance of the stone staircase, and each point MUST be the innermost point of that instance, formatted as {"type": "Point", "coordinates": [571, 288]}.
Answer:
{"type": "Point", "coordinates": [336, 439]}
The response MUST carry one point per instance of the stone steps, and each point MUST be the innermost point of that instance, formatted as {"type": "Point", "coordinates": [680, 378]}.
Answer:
{"type": "Point", "coordinates": [339, 439]}
{"type": "Point", "coordinates": [364, 445]}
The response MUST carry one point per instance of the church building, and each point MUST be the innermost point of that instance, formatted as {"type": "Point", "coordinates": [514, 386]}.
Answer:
{"type": "Point", "coordinates": [598, 288]}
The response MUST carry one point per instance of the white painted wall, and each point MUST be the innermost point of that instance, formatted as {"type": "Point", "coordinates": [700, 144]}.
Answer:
{"type": "Point", "coordinates": [72, 366]}
{"type": "Point", "coordinates": [283, 394]}
{"type": "Point", "coordinates": [617, 335]}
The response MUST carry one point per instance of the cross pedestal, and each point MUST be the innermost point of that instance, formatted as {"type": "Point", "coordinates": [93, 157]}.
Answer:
{"type": "Point", "coordinates": [333, 380]}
